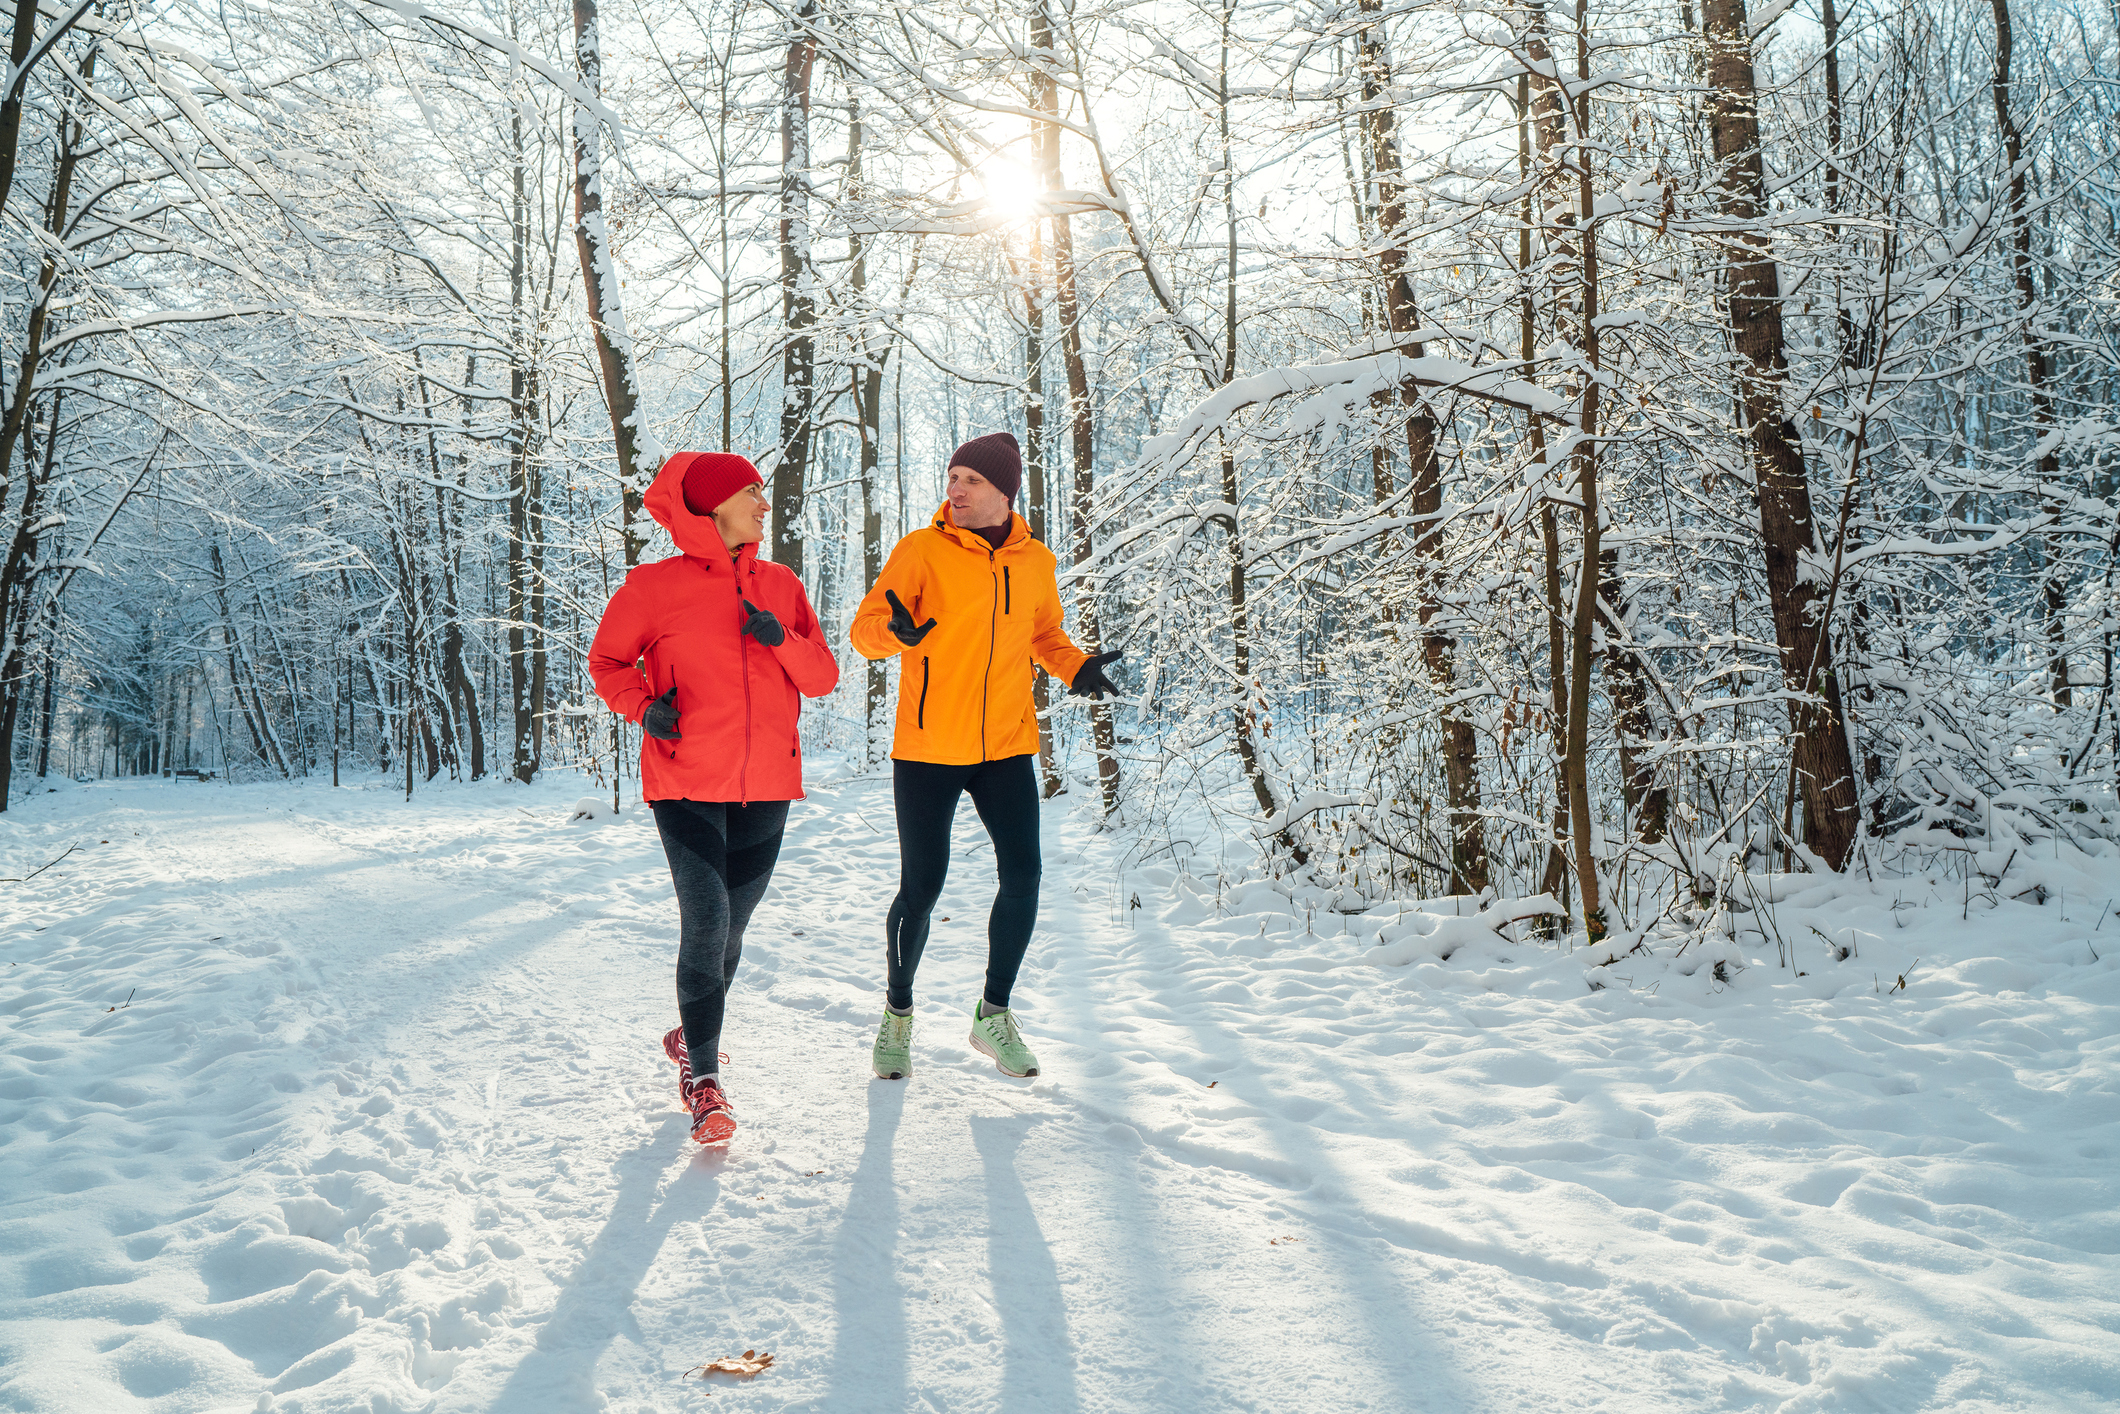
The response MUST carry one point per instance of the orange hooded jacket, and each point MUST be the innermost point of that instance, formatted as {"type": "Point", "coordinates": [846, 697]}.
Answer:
{"type": "Point", "coordinates": [679, 623]}
{"type": "Point", "coordinates": [964, 693]}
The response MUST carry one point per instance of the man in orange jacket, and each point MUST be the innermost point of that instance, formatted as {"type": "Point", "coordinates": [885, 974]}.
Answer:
{"type": "Point", "coordinates": [968, 602]}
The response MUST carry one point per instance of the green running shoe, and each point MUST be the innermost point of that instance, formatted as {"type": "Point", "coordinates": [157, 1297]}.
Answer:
{"type": "Point", "coordinates": [998, 1037]}
{"type": "Point", "coordinates": [893, 1056]}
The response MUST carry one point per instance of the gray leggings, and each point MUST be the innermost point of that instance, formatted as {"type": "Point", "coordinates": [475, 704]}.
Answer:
{"type": "Point", "coordinates": [721, 859]}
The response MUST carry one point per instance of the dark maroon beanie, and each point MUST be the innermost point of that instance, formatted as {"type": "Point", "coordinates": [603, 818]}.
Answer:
{"type": "Point", "coordinates": [994, 457]}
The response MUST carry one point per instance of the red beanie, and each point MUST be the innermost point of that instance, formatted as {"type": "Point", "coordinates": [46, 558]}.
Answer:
{"type": "Point", "coordinates": [994, 457]}
{"type": "Point", "coordinates": [711, 478]}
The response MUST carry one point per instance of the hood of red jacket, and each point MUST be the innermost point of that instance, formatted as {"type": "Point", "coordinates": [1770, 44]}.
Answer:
{"type": "Point", "coordinates": [695, 535]}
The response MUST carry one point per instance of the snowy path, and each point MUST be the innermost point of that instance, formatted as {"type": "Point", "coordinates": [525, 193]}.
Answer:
{"type": "Point", "coordinates": [385, 1128]}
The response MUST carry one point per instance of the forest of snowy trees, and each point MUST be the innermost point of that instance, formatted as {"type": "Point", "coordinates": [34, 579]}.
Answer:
{"type": "Point", "coordinates": [1522, 448]}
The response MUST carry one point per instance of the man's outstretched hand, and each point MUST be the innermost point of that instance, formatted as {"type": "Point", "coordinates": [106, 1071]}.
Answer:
{"type": "Point", "coordinates": [1090, 680]}
{"type": "Point", "coordinates": [902, 626]}
{"type": "Point", "coordinates": [660, 720]}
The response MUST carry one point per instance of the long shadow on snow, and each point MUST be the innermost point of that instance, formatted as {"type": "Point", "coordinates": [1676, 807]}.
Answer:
{"type": "Point", "coordinates": [1038, 1364]}
{"type": "Point", "coordinates": [596, 1307]}
{"type": "Point", "coordinates": [1421, 1370]}
{"type": "Point", "coordinates": [868, 1369]}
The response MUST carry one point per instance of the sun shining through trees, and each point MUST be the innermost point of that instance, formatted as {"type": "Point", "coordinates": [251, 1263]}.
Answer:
{"type": "Point", "coordinates": [1009, 188]}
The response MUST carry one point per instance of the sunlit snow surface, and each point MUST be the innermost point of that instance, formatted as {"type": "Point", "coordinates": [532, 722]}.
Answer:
{"type": "Point", "coordinates": [385, 1127]}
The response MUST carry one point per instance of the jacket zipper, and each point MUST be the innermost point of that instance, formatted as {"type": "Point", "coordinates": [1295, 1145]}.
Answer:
{"type": "Point", "coordinates": [743, 656]}
{"type": "Point", "coordinates": [1004, 590]}
{"type": "Point", "coordinates": [920, 713]}
{"type": "Point", "coordinates": [993, 633]}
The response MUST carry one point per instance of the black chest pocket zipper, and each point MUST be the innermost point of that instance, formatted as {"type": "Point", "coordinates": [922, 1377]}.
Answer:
{"type": "Point", "coordinates": [920, 713]}
{"type": "Point", "coordinates": [1004, 589]}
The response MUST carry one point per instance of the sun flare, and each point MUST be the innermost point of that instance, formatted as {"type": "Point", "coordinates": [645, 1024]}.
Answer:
{"type": "Point", "coordinates": [1010, 188]}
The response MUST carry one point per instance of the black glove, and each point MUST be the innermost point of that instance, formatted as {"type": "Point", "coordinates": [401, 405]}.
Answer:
{"type": "Point", "coordinates": [902, 622]}
{"type": "Point", "coordinates": [1090, 680]}
{"type": "Point", "coordinates": [762, 625]}
{"type": "Point", "coordinates": [660, 720]}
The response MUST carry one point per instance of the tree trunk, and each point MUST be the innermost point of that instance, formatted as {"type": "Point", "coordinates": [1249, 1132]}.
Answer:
{"type": "Point", "coordinates": [1576, 306]}
{"type": "Point", "coordinates": [1244, 720]}
{"type": "Point", "coordinates": [1083, 439]}
{"type": "Point", "coordinates": [798, 294]}
{"type": "Point", "coordinates": [1824, 769]}
{"type": "Point", "coordinates": [524, 661]}
{"type": "Point", "coordinates": [1468, 848]}
{"type": "Point", "coordinates": [19, 45]}
{"type": "Point", "coordinates": [44, 717]}
{"type": "Point", "coordinates": [1035, 508]}
{"type": "Point", "coordinates": [1554, 880]}
{"type": "Point", "coordinates": [2038, 363]}
{"type": "Point", "coordinates": [523, 393]}
{"type": "Point", "coordinates": [1633, 721]}
{"type": "Point", "coordinates": [868, 407]}
{"type": "Point", "coordinates": [251, 703]}
{"type": "Point", "coordinates": [607, 315]}
{"type": "Point", "coordinates": [461, 699]}
{"type": "Point", "coordinates": [18, 569]}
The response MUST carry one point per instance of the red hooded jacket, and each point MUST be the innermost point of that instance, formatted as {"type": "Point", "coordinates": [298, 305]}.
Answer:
{"type": "Point", "coordinates": [679, 623]}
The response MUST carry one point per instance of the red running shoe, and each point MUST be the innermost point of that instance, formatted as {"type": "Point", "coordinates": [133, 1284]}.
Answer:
{"type": "Point", "coordinates": [713, 1120]}
{"type": "Point", "coordinates": [674, 1048]}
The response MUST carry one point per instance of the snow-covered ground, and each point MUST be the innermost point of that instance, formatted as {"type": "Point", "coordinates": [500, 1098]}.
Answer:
{"type": "Point", "coordinates": [379, 1123]}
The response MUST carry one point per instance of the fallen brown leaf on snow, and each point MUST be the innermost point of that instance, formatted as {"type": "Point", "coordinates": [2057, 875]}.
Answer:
{"type": "Point", "coordinates": [1277, 1241]}
{"type": "Point", "coordinates": [747, 1364]}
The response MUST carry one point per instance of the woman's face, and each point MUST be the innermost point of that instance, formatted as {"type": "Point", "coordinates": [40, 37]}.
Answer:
{"type": "Point", "coordinates": [742, 518]}
{"type": "Point", "coordinates": [975, 502]}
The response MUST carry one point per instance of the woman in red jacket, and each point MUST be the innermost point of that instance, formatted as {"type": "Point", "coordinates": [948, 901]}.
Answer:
{"type": "Point", "coordinates": [712, 651]}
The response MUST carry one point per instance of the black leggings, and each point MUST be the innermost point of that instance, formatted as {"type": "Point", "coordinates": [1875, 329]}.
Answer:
{"type": "Point", "coordinates": [721, 859]}
{"type": "Point", "coordinates": [1005, 793]}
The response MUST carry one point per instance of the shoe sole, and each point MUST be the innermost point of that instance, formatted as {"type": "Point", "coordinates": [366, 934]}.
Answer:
{"type": "Point", "coordinates": [979, 1045]}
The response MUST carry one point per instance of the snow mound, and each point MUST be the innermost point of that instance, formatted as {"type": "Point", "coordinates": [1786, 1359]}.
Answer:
{"type": "Point", "coordinates": [593, 808]}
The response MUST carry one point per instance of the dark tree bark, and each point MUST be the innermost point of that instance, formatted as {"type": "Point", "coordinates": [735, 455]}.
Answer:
{"type": "Point", "coordinates": [1036, 507]}
{"type": "Point", "coordinates": [1633, 719]}
{"type": "Point", "coordinates": [1468, 848]}
{"type": "Point", "coordinates": [1824, 770]}
{"type": "Point", "coordinates": [868, 406]}
{"type": "Point", "coordinates": [607, 316]}
{"type": "Point", "coordinates": [1246, 718]}
{"type": "Point", "coordinates": [798, 294]}
{"type": "Point", "coordinates": [2038, 362]}
{"type": "Point", "coordinates": [1576, 247]}
{"type": "Point", "coordinates": [19, 566]}
{"type": "Point", "coordinates": [523, 490]}
{"type": "Point", "coordinates": [1554, 880]}
{"type": "Point", "coordinates": [1083, 439]}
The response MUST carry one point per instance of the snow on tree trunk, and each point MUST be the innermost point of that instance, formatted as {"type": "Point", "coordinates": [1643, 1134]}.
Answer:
{"type": "Point", "coordinates": [639, 453]}
{"type": "Point", "coordinates": [1824, 766]}
{"type": "Point", "coordinates": [798, 293]}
